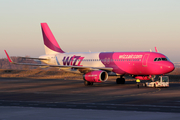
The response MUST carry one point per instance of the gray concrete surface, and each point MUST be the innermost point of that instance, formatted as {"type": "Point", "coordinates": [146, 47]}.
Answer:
{"type": "Point", "coordinates": [30, 113]}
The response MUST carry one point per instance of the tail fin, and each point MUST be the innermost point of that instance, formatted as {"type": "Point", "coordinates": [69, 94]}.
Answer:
{"type": "Point", "coordinates": [50, 43]}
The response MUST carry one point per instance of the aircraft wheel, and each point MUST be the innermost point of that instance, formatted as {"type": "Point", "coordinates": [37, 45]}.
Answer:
{"type": "Point", "coordinates": [118, 81]}
{"type": "Point", "coordinates": [87, 83]}
{"type": "Point", "coordinates": [122, 80]}
{"type": "Point", "coordinates": [154, 85]}
{"type": "Point", "coordinates": [91, 83]}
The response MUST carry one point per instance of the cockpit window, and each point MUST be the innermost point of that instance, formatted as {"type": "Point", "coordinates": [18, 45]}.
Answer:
{"type": "Point", "coordinates": [164, 59]}
{"type": "Point", "coordinates": [160, 59]}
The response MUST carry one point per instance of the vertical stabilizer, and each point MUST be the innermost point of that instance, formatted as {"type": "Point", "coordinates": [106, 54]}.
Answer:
{"type": "Point", "coordinates": [50, 43]}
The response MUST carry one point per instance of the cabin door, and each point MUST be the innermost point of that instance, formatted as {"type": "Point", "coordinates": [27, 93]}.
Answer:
{"type": "Point", "coordinates": [145, 60]}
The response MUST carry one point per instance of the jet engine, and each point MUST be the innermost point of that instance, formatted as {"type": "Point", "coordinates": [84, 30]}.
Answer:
{"type": "Point", "coordinates": [143, 77]}
{"type": "Point", "coordinates": [96, 76]}
{"type": "Point", "coordinates": [150, 77]}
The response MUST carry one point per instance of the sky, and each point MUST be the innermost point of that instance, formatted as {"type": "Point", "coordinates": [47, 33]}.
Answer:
{"type": "Point", "coordinates": [91, 25]}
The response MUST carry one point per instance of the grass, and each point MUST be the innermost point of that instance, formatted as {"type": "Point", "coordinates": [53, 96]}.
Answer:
{"type": "Point", "coordinates": [38, 73]}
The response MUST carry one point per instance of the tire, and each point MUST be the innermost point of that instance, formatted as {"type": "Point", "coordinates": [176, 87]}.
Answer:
{"type": "Point", "coordinates": [120, 80]}
{"type": "Point", "coordinates": [91, 83]}
{"type": "Point", "coordinates": [87, 83]}
{"type": "Point", "coordinates": [154, 85]}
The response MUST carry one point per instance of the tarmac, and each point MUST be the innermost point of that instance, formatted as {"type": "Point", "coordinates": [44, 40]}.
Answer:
{"type": "Point", "coordinates": [61, 96]}
{"type": "Point", "coordinates": [31, 113]}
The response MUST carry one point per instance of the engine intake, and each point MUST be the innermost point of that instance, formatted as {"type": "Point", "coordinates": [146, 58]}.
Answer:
{"type": "Point", "coordinates": [96, 76]}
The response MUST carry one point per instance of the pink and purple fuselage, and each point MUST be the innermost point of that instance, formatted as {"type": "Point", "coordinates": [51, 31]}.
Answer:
{"type": "Point", "coordinates": [137, 63]}
{"type": "Point", "coordinates": [123, 63]}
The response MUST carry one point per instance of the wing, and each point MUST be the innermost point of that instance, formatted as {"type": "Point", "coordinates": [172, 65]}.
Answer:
{"type": "Point", "coordinates": [62, 66]}
{"type": "Point", "coordinates": [34, 58]}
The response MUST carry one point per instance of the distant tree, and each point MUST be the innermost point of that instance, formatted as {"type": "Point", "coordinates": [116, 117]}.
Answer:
{"type": "Point", "coordinates": [4, 63]}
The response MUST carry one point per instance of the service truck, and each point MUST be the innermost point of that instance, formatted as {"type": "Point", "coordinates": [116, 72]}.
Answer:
{"type": "Point", "coordinates": [162, 81]}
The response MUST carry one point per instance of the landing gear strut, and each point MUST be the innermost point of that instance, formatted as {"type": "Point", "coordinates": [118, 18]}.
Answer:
{"type": "Point", "coordinates": [120, 80]}
{"type": "Point", "coordinates": [87, 83]}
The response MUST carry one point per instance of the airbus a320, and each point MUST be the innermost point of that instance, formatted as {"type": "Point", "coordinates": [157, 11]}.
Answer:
{"type": "Point", "coordinates": [97, 66]}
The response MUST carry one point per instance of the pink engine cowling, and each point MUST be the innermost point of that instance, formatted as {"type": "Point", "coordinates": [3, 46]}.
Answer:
{"type": "Point", "coordinates": [96, 76]}
{"type": "Point", "coordinates": [143, 77]}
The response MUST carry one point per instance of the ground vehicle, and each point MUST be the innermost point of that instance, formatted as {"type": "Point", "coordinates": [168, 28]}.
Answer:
{"type": "Point", "coordinates": [163, 81]}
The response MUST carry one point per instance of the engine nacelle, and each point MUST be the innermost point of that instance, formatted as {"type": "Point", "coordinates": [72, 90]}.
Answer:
{"type": "Point", "coordinates": [96, 76]}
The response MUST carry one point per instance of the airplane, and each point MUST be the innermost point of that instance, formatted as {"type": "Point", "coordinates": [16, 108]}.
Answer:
{"type": "Point", "coordinates": [96, 67]}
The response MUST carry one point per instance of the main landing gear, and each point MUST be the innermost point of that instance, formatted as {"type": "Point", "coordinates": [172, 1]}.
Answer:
{"type": "Point", "coordinates": [87, 83]}
{"type": "Point", "coordinates": [120, 80]}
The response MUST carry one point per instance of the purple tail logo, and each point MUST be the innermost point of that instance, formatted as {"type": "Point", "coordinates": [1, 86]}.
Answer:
{"type": "Point", "coordinates": [74, 60]}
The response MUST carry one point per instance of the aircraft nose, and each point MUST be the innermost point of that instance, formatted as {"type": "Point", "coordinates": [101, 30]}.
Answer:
{"type": "Point", "coordinates": [170, 67]}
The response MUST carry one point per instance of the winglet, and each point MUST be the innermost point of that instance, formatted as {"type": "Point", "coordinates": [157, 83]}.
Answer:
{"type": "Point", "coordinates": [10, 60]}
{"type": "Point", "coordinates": [156, 49]}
